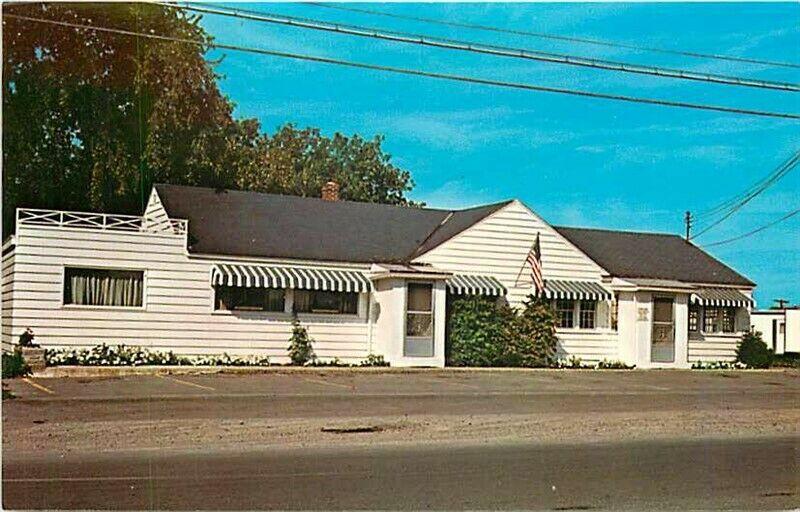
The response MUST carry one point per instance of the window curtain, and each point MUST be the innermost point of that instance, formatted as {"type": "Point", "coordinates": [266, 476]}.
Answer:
{"type": "Point", "coordinates": [302, 301]}
{"type": "Point", "coordinates": [106, 289]}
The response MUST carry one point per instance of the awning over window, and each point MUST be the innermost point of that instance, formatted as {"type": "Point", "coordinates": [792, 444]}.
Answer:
{"type": "Point", "coordinates": [586, 290]}
{"type": "Point", "coordinates": [463, 284]}
{"type": "Point", "coordinates": [302, 278]}
{"type": "Point", "coordinates": [721, 297]}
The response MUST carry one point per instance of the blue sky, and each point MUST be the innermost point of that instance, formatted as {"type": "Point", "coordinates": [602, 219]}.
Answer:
{"type": "Point", "coordinates": [575, 161]}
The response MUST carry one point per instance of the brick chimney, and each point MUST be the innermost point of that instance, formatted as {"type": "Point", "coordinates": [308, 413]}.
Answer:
{"type": "Point", "coordinates": [330, 191]}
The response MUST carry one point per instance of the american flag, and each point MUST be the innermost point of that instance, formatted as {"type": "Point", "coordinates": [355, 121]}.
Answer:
{"type": "Point", "coordinates": [534, 259]}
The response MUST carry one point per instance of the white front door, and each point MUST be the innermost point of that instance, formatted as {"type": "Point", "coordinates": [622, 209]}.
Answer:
{"type": "Point", "coordinates": [419, 321]}
{"type": "Point", "coordinates": [662, 348]}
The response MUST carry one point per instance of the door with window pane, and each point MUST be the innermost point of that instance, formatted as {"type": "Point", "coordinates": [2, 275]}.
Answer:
{"type": "Point", "coordinates": [663, 337]}
{"type": "Point", "coordinates": [419, 321]}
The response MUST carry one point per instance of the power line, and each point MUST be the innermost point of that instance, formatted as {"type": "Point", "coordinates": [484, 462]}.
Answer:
{"type": "Point", "coordinates": [757, 230]}
{"type": "Point", "coordinates": [543, 35]}
{"type": "Point", "coordinates": [496, 51]}
{"type": "Point", "coordinates": [783, 170]}
{"type": "Point", "coordinates": [427, 74]}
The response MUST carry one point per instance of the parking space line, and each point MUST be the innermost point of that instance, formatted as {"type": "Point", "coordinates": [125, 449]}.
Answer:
{"type": "Point", "coordinates": [446, 381]}
{"type": "Point", "coordinates": [38, 386]}
{"type": "Point", "coordinates": [317, 381]}
{"type": "Point", "coordinates": [185, 382]}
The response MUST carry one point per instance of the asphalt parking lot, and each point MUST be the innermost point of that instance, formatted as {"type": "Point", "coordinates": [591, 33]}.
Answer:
{"type": "Point", "coordinates": [343, 437]}
{"type": "Point", "coordinates": [407, 383]}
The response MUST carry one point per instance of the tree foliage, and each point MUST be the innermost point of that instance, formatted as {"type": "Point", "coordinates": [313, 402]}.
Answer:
{"type": "Point", "coordinates": [486, 333]}
{"type": "Point", "coordinates": [753, 352]}
{"type": "Point", "coordinates": [301, 350]}
{"type": "Point", "coordinates": [91, 119]}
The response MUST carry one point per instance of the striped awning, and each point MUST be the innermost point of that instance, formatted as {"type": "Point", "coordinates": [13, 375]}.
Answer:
{"type": "Point", "coordinates": [721, 297]}
{"type": "Point", "coordinates": [302, 278]}
{"type": "Point", "coordinates": [586, 290]}
{"type": "Point", "coordinates": [463, 284]}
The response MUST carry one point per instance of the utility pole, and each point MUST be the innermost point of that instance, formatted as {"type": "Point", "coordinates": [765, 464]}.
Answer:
{"type": "Point", "coordinates": [688, 220]}
{"type": "Point", "coordinates": [781, 303]}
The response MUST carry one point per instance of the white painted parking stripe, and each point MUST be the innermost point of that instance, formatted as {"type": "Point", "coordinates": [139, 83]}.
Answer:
{"type": "Point", "coordinates": [185, 382]}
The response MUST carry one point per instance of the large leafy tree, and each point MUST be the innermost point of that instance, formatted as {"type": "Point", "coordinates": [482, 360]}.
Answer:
{"type": "Point", "coordinates": [91, 119]}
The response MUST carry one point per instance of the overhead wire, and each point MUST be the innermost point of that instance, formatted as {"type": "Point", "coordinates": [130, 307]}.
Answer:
{"type": "Point", "coordinates": [428, 74]}
{"type": "Point", "coordinates": [485, 49]}
{"type": "Point", "coordinates": [556, 37]}
{"type": "Point", "coordinates": [774, 176]}
{"type": "Point", "coordinates": [754, 231]}
{"type": "Point", "coordinates": [784, 169]}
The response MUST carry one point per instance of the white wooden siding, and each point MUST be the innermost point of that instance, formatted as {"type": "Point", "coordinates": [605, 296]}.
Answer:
{"type": "Point", "coordinates": [591, 346]}
{"type": "Point", "coordinates": [498, 246]}
{"type": "Point", "coordinates": [710, 347]}
{"type": "Point", "coordinates": [6, 292]}
{"type": "Point", "coordinates": [155, 216]}
{"type": "Point", "coordinates": [178, 313]}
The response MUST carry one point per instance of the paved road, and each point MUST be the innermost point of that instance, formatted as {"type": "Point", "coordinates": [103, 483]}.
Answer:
{"type": "Point", "coordinates": [740, 474]}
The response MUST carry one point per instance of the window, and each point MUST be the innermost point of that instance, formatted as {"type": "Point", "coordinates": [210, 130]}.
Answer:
{"type": "Point", "coordinates": [588, 309]}
{"type": "Point", "coordinates": [103, 287]}
{"type": "Point", "coordinates": [728, 320]}
{"type": "Point", "coordinates": [315, 301]}
{"type": "Point", "coordinates": [694, 319]}
{"type": "Point", "coordinates": [717, 319]}
{"type": "Point", "coordinates": [232, 298]}
{"type": "Point", "coordinates": [565, 312]}
{"type": "Point", "coordinates": [419, 311]}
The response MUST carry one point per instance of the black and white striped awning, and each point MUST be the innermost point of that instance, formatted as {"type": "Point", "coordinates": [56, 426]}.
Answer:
{"type": "Point", "coordinates": [576, 290]}
{"type": "Point", "coordinates": [302, 278]}
{"type": "Point", "coordinates": [463, 284]}
{"type": "Point", "coordinates": [721, 297]}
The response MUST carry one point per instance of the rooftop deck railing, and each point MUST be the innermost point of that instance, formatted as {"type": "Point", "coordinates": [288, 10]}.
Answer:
{"type": "Point", "coordinates": [98, 221]}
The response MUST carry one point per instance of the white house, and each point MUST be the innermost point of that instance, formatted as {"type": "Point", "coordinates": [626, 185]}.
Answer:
{"type": "Point", "coordinates": [206, 271]}
{"type": "Point", "coordinates": [779, 328]}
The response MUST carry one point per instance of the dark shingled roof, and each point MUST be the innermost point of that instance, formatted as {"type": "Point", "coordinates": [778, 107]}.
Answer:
{"type": "Point", "coordinates": [238, 223]}
{"type": "Point", "coordinates": [651, 255]}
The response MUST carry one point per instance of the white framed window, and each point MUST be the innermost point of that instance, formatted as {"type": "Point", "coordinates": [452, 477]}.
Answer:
{"type": "Point", "coordinates": [565, 313]}
{"type": "Point", "coordinates": [103, 287]}
{"type": "Point", "coordinates": [419, 312]}
{"type": "Point", "coordinates": [235, 298]}
{"type": "Point", "coordinates": [587, 314]}
{"type": "Point", "coordinates": [325, 302]}
{"type": "Point", "coordinates": [719, 320]}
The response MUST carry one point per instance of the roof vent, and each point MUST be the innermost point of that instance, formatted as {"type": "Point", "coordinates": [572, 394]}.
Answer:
{"type": "Point", "coordinates": [330, 191]}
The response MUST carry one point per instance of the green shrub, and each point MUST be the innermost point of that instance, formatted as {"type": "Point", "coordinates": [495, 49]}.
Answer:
{"type": "Point", "coordinates": [26, 338]}
{"type": "Point", "coordinates": [613, 365]}
{"type": "Point", "coordinates": [123, 355]}
{"type": "Point", "coordinates": [479, 328]}
{"type": "Point", "coordinates": [374, 360]}
{"type": "Point", "coordinates": [753, 352]}
{"type": "Point", "coordinates": [300, 350]}
{"type": "Point", "coordinates": [485, 333]}
{"type": "Point", "coordinates": [718, 365]}
{"type": "Point", "coordinates": [787, 360]}
{"type": "Point", "coordinates": [14, 365]}
{"type": "Point", "coordinates": [532, 338]}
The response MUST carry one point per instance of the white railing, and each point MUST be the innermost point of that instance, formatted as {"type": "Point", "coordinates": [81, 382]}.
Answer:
{"type": "Point", "coordinates": [85, 220]}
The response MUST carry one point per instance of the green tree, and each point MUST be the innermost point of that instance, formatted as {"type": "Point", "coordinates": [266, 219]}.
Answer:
{"type": "Point", "coordinates": [91, 119]}
{"type": "Point", "coordinates": [753, 352]}
{"type": "Point", "coordinates": [479, 331]}
{"type": "Point", "coordinates": [301, 351]}
{"type": "Point", "coordinates": [533, 339]}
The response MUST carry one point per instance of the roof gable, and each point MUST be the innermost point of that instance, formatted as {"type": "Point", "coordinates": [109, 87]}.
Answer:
{"type": "Point", "coordinates": [240, 223]}
{"type": "Point", "coordinates": [651, 255]}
